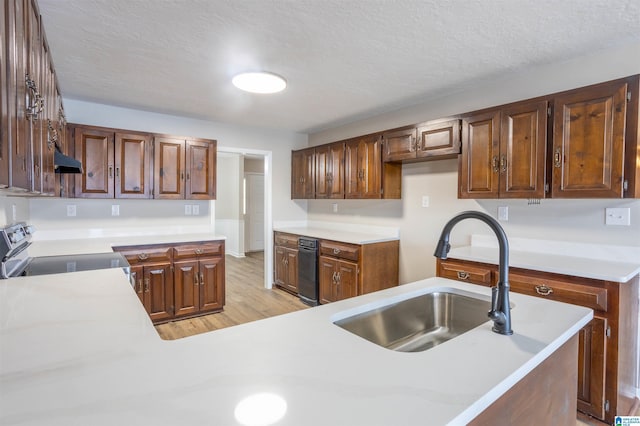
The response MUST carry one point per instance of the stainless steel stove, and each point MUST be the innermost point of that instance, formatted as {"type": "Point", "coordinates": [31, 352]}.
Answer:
{"type": "Point", "coordinates": [15, 241]}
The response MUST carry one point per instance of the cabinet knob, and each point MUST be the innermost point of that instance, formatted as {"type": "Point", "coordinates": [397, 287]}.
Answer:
{"type": "Point", "coordinates": [336, 251]}
{"type": "Point", "coordinates": [463, 275]}
{"type": "Point", "coordinates": [143, 256]}
{"type": "Point", "coordinates": [543, 290]}
{"type": "Point", "coordinates": [198, 251]}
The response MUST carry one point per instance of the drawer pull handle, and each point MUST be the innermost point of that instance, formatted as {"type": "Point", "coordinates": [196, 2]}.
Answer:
{"type": "Point", "coordinates": [336, 251]}
{"type": "Point", "coordinates": [198, 251]}
{"type": "Point", "coordinates": [543, 290]}
{"type": "Point", "coordinates": [462, 275]}
{"type": "Point", "coordinates": [143, 256]}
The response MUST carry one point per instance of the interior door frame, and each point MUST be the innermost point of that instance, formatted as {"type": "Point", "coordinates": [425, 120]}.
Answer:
{"type": "Point", "coordinates": [268, 205]}
{"type": "Point", "coordinates": [247, 225]}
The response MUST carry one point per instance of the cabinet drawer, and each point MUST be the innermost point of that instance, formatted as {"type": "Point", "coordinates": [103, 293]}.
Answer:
{"type": "Point", "coordinates": [146, 255]}
{"type": "Point", "coordinates": [189, 251]}
{"type": "Point", "coordinates": [286, 240]}
{"type": "Point", "coordinates": [340, 250]}
{"type": "Point", "coordinates": [467, 273]}
{"type": "Point", "coordinates": [577, 294]}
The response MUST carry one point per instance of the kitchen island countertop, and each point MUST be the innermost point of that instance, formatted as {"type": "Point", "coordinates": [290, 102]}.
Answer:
{"type": "Point", "coordinates": [78, 348]}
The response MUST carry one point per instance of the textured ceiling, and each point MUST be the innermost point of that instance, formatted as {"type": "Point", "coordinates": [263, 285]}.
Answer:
{"type": "Point", "coordinates": [343, 59]}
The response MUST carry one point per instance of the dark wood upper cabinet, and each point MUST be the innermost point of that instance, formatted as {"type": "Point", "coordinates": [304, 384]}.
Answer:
{"type": "Point", "coordinates": [588, 142]}
{"type": "Point", "coordinates": [330, 170]}
{"type": "Point", "coordinates": [399, 144]}
{"type": "Point", "coordinates": [184, 169]}
{"type": "Point", "coordinates": [363, 167]}
{"type": "Point", "coordinates": [303, 174]}
{"type": "Point", "coordinates": [438, 139]}
{"type": "Point", "coordinates": [4, 99]}
{"type": "Point", "coordinates": [114, 164]}
{"type": "Point", "coordinates": [523, 142]}
{"type": "Point", "coordinates": [479, 162]}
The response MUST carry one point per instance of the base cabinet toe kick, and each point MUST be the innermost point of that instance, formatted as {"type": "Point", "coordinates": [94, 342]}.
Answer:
{"type": "Point", "coordinates": [607, 346]}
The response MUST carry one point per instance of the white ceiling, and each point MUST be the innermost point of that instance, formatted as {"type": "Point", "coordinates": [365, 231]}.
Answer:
{"type": "Point", "coordinates": [344, 59]}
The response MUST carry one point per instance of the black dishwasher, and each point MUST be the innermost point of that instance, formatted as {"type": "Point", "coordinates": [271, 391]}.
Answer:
{"type": "Point", "coordinates": [308, 270]}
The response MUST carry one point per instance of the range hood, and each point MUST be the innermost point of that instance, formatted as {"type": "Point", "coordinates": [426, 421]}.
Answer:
{"type": "Point", "coordinates": [65, 164]}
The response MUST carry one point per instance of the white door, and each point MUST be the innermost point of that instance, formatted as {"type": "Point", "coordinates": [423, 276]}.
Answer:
{"type": "Point", "coordinates": [254, 219]}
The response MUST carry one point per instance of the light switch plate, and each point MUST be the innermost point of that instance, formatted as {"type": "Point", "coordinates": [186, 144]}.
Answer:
{"type": "Point", "coordinates": [425, 201]}
{"type": "Point", "coordinates": [618, 216]}
{"type": "Point", "coordinates": [71, 210]}
{"type": "Point", "coordinates": [187, 209]}
{"type": "Point", "coordinates": [115, 210]}
{"type": "Point", "coordinates": [335, 207]}
{"type": "Point", "coordinates": [195, 209]}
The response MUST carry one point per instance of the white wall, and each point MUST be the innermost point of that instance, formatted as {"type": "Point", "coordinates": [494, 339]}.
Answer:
{"type": "Point", "coordinates": [569, 220]}
{"type": "Point", "coordinates": [7, 206]}
{"type": "Point", "coordinates": [229, 221]}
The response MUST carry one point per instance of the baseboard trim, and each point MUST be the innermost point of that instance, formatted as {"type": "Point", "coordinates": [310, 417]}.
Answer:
{"type": "Point", "coordinates": [235, 254]}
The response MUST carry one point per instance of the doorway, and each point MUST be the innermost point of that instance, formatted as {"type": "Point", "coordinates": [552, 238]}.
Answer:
{"type": "Point", "coordinates": [254, 211]}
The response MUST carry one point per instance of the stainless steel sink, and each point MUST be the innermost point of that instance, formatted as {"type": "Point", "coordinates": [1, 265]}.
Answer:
{"type": "Point", "coordinates": [419, 323]}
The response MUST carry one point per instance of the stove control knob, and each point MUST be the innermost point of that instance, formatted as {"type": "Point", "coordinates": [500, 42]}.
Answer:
{"type": "Point", "coordinates": [13, 238]}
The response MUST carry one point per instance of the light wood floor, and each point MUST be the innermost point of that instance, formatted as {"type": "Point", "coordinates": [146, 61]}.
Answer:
{"type": "Point", "coordinates": [246, 300]}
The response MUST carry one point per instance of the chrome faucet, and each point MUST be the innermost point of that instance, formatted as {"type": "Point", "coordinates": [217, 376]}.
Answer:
{"type": "Point", "coordinates": [500, 312]}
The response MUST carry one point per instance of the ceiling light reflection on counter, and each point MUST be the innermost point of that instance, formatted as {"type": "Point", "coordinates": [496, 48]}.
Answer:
{"type": "Point", "coordinates": [260, 409]}
{"type": "Point", "coordinates": [259, 82]}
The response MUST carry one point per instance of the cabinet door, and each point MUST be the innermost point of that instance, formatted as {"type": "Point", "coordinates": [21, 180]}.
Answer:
{"type": "Point", "coordinates": [347, 280]}
{"type": "Point", "coordinates": [303, 174]}
{"type": "Point", "coordinates": [279, 267]}
{"type": "Point", "coordinates": [17, 106]}
{"type": "Point", "coordinates": [187, 287]}
{"type": "Point", "coordinates": [158, 282]}
{"type": "Point", "coordinates": [322, 168]}
{"type": "Point", "coordinates": [169, 164]}
{"type": "Point", "coordinates": [591, 368]}
{"type": "Point", "coordinates": [34, 93]}
{"type": "Point", "coordinates": [4, 115]}
{"type": "Point", "coordinates": [438, 139]}
{"type": "Point", "coordinates": [523, 142]}
{"type": "Point", "coordinates": [49, 134]}
{"type": "Point", "coordinates": [211, 284]}
{"type": "Point", "coordinates": [327, 279]}
{"type": "Point", "coordinates": [479, 162]}
{"type": "Point", "coordinates": [336, 173]}
{"type": "Point", "coordinates": [200, 170]}
{"type": "Point", "coordinates": [291, 263]}
{"type": "Point", "coordinates": [399, 145]}
{"type": "Point", "coordinates": [132, 166]}
{"type": "Point", "coordinates": [137, 278]}
{"type": "Point", "coordinates": [363, 167]}
{"type": "Point", "coordinates": [588, 142]}
{"type": "Point", "coordinates": [94, 149]}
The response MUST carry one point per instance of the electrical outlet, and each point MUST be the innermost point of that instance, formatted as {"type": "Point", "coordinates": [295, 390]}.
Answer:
{"type": "Point", "coordinates": [335, 207]}
{"type": "Point", "coordinates": [618, 216]}
{"type": "Point", "coordinates": [425, 201]}
{"type": "Point", "coordinates": [71, 210]}
{"type": "Point", "coordinates": [503, 213]}
{"type": "Point", "coordinates": [195, 209]}
{"type": "Point", "coordinates": [187, 209]}
{"type": "Point", "coordinates": [14, 213]}
{"type": "Point", "coordinates": [115, 210]}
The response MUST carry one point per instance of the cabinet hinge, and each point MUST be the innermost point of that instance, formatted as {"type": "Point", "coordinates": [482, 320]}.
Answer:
{"type": "Point", "coordinates": [606, 405]}
{"type": "Point", "coordinates": [608, 332]}
{"type": "Point", "coordinates": [629, 96]}
{"type": "Point", "coordinates": [549, 111]}
{"type": "Point", "coordinates": [625, 185]}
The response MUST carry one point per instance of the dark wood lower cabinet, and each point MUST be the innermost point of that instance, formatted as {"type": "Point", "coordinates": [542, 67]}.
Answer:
{"type": "Point", "coordinates": [607, 346]}
{"type": "Point", "coordinates": [338, 279]}
{"type": "Point", "coordinates": [178, 280]}
{"type": "Point", "coordinates": [285, 262]}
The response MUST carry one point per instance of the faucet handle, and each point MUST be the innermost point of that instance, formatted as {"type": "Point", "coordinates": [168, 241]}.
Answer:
{"type": "Point", "coordinates": [494, 299]}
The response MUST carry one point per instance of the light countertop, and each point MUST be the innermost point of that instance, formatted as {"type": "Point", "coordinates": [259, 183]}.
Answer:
{"type": "Point", "coordinates": [338, 235]}
{"type": "Point", "coordinates": [106, 244]}
{"type": "Point", "coordinates": [78, 348]}
{"type": "Point", "coordinates": [579, 266]}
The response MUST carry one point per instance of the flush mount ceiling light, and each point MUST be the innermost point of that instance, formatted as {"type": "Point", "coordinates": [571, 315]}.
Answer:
{"type": "Point", "coordinates": [259, 82]}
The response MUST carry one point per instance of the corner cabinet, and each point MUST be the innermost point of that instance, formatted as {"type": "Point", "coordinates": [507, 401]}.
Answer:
{"type": "Point", "coordinates": [184, 169]}
{"type": "Point", "coordinates": [175, 281]}
{"type": "Point", "coordinates": [608, 345]}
